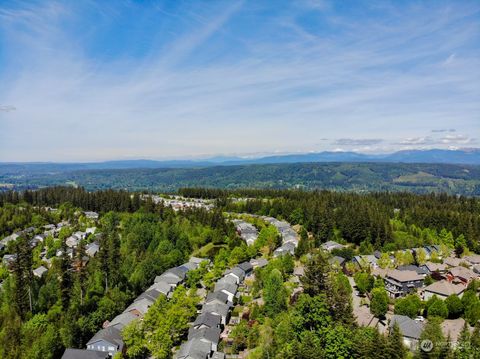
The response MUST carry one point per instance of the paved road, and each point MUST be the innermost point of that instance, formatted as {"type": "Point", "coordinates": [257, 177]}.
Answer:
{"type": "Point", "coordinates": [361, 312]}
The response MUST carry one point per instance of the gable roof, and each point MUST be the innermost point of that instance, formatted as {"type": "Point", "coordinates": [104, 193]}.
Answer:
{"type": "Point", "coordinates": [217, 296]}
{"type": "Point", "coordinates": [433, 267]}
{"type": "Point", "coordinates": [246, 267]}
{"type": "Point", "coordinates": [194, 349]}
{"type": "Point", "coordinates": [237, 271]}
{"type": "Point", "coordinates": [70, 353]}
{"type": "Point", "coordinates": [208, 319]}
{"type": "Point", "coordinates": [214, 307]}
{"type": "Point", "coordinates": [161, 287]}
{"type": "Point", "coordinates": [122, 320]}
{"type": "Point", "coordinates": [445, 288]}
{"type": "Point", "coordinates": [408, 327]}
{"type": "Point", "coordinates": [110, 334]}
{"type": "Point", "coordinates": [40, 271]}
{"type": "Point", "coordinates": [222, 285]}
{"type": "Point", "coordinates": [404, 276]}
{"type": "Point", "coordinates": [411, 267]}
{"type": "Point", "coordinates": [462, 272]}
{"type": "Point", "coordinates": [209, 334]}
{"type": "Point", "coordinates": [141, 306]}
{"type": "Point", "coordinates": [168, 278]}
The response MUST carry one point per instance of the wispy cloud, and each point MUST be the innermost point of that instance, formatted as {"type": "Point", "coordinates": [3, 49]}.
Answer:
{"type": "Point", "coordinates": [234, 78]}
{"type": "Point", "coordinates": [7, 108]}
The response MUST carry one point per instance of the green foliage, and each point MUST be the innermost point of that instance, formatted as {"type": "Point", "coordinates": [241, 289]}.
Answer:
{"type": "Point", "coordinates": [433, 332]}
{"type": "Point", "coordinates": [379, 302]}
{"type": "Point", "coordinates": [364, 282]}
{"type": "Point", "coordinates": [455, 306]}
{"type": "Point", "coordinates": [409, 306]}
{"type": "Point", "coordinates": [274, 293]}
{"type": "Point", "coordinates": [437, 308]}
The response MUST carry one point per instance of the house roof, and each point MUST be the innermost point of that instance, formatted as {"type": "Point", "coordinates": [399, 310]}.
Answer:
{"type": "Point", "coordinates": [150, 294]}
{"type": "Point", "coordinates": [412, 267]}
{"type": "Point", "coordinates": [404, 275]}
{"type": "Point", "coordinates": [226, 286]}
{"type": "Point", "coordinates": [329, 245]}
{"type": "Point", "coordinates": [208, 319]}
{"type": "Point", "coordinates": [258, 262]}
{"type": "Point", "coordinates": [110, 334]}
{"type": "Point", "coordinates": [194, 349]}
{"type": "Point", "coordinates": [433, 267]}
{"type": "Point", "coordinates": [162, 287]}
{"type": "Point", "coordinates": [246, 267]}
{"type": "Point", "coordinates": [473, 259]}
{"type": "Point", "coordinates": [452, 261]}
{"type": "Point", "coordinates": [337, 260]}
{"type": "Point", "coordinates": [179, 271]}
{"type": "Point", "coordinates": [463, 273]}
{"type": "Point", "coordinates": [214, 307]}
{"type": "Point", "coordinates": [220, 296]}
{"type": "Point", "coordinates": [209, 334]}
{"type": "Point", "coordinates": [40, 271]}
{"type": "Point", "coordinates": [168, 278]}
{"type": "Point", "coordinates": [408, 327]}
{"type": "Point", "coordinates": [445, 288]}
{"type": "Point", "coordinates": [141, 305]}
{"type": "Point", "coordinates": [122, 320]}
{"type": "Point", "coordinates": [218, 355]}
{"type": "Point", "coordinates": [83, 354]}
{"type": "Point", "coordinates": [236, 271]}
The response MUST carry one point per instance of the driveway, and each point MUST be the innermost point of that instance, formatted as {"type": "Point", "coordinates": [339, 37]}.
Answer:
{"type": "Point", "coordinates": [361, 312]}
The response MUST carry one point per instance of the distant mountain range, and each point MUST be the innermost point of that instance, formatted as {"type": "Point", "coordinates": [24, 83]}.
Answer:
{"type": "Point", "coordinates": [464, 156]}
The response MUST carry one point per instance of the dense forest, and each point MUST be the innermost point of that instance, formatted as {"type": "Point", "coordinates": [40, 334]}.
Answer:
{"type": "Point", "coordinates": [359, 177]}
{"type": "Point", "coordinates": [139, 239]}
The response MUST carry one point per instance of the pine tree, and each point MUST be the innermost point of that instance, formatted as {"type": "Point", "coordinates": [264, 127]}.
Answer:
{"type": "Point", "coordinates": [463, 350]}
{"type": "Point", "coordinates": [395, 347]}
{"type": "Point", "coordinates": [316, 274]}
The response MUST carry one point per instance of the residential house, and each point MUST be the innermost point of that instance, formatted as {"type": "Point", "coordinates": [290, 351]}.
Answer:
{"type": "Point", "coordinates": [139, 307]}
{"type": "Point", "coordinates": [400, 283]}
{"type": "Point", "coordinates": [246, 267]}
{"type": "Point", "coordinates": [218, 297]}
{"type": "Point", "coordinates": [237, 273]}
{"type": "Point", "coordinates": [70, 353]}
{"type": "Point", "coordinates": [72, 241]}
{"type": "Point", "coordinates": [287, 248]}
{"type": "Point", "coordinates": [442, 289]}
{"type": "Point", "coordinates": [194, 349]}
{"type": "Point", "coordinates": [258, 262]}
{"type": "Point", "coordinates": [92, 249]}
{"type": "Point", "coordinates": [411, 267]}
{"type": "Point", "coordinates": [173, 276]}
{"type": "Point", "coordinates": [473, 259]}
{"type": "Point", "coordinates": [452, 261]}
{"type": "Point", "coordinates": [337, 260]}
{"type": "Point", "coordinates": [223, 310]}
{"type": "Point", "coordinates": [122, 320]}
{"type": "Point", "coordinates": [431, 267]}
{"type": "Point", "coordinates": [365, 261]}
{"type": "Point", "coordinates": [227, 285]}
{"type": "Point", "coordinates": [207, 320]}
{"type": "Point", "coordinates": [9, 259]}
{"type": "Point", "coordinates": [208, 335]}
{"type": "Point", "coordinates": [331, 245]}
{"type": "Point", "coordinates": [411, 330]}
{"type": "Point", "coordinates": [40, 271]}
{"type": "Point", "coordinates": [91, 215]}
{"type": "Point", "coordinates": [461, 275]}
{"type": "Point", "coordinates": [107, 340]}
{"type": "Point", "coordinates": [162, 287]}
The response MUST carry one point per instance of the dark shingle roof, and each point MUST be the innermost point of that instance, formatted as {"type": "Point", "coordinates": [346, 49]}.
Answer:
{"type": "Point", "coordinates": [208, 319]}
{"type": "Point", "coordinates": [195, 349]}
{"type": "Point", "coordinates": [210, 334]}
{"type": "Point", "coordinates": [408, 327]}
{"type": "Point", "coordinates": [109, 334]}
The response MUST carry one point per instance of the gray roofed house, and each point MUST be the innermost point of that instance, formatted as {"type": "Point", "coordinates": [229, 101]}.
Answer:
{"type": "Point", "coordinates": [107, 340]}
{"type": "Point", "coordinates": [139, 307]}
{"type": "Point", "coordinates": [443, 289]}
{"type": "Point", "coordinates": [162, 287]}
{"type": "Point", "coordinates": [219, 297]}
{"type": "Point", "coordinates": [83, 354]}
{"type": "Point", "coordinates": [337, 260]}
{"type": "Point", "coordinates": [399, 283]}
{"type": "Point", "coordinates": [287, 248]}
{"type": "Point", "coordinates": [237, 273]}
{"type": "Point", "coordinates": [258, 262]}
{"type": "Point", "coordinates": [91, 215]}
{"type": "Point", "coordinates": [168, 278]}
{"type": "Point", "coordinates": [122, 320]}
{"type": "Point", "coordinates": [217, 308]}
{"type": "Point", "coordinates": [227, 287]}
{"type": "Point", "coordinates": [92, 248]}
{"type": "Point", "coordinates": [246, 267]}
{"type": "Point", "coordinates": [40, 271]}
{"type": "Point", "coordinates": [180, 272]}
{"type": "Point", "coordinates": [194, 349]}
{"type": "Point", "coordinates": [197, 261]}
{"type": "Point", "coordinates": [209, 335]}
{"type": "Point", "coordinates": [331, 245]}
{"type": "Point", "coordinates": [410, 329]}
{"type": "Point", "coordinates": [411, 267]}
{"type": "Point", "coordinates": [207, 320]}
{"type": "Point", "coordinates": [150, 294]}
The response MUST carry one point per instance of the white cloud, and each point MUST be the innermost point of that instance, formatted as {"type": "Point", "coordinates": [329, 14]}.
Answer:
{"type": "Point", "coordinates": [212, 87]}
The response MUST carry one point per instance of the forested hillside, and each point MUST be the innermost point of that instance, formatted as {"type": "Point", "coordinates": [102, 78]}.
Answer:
{"type": "Point", "coordinates": [359, 177]}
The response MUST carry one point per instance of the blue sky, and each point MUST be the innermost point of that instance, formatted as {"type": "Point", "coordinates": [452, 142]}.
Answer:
{"type": "Point", "coordinates": [90, 80]}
